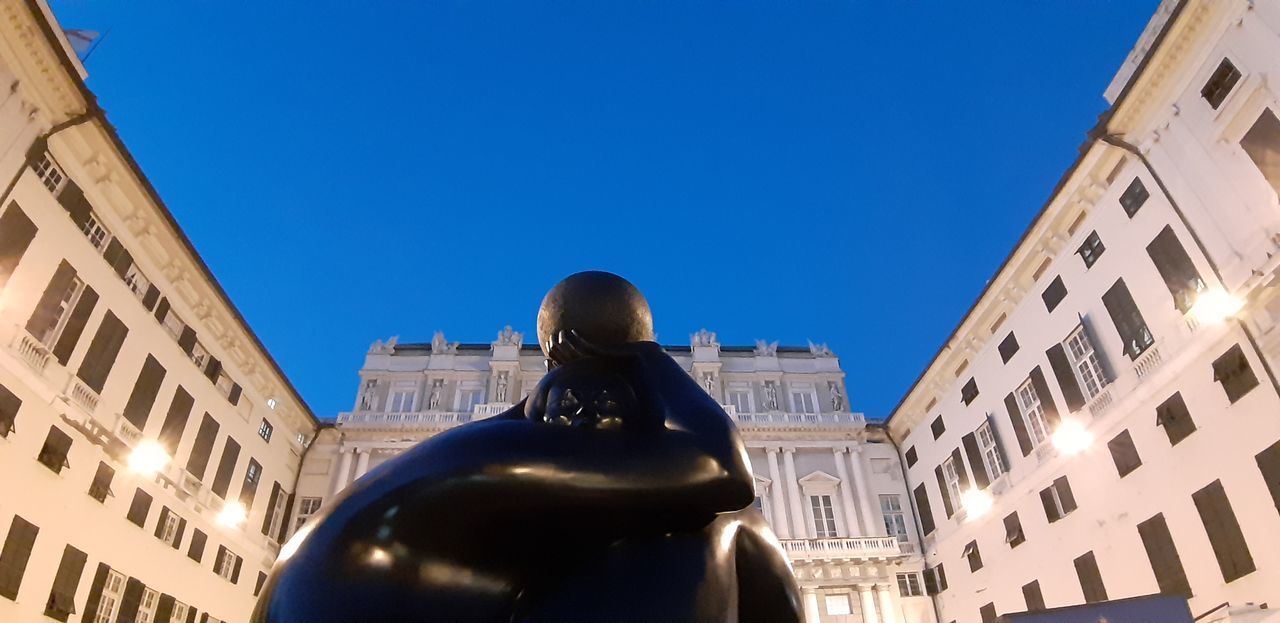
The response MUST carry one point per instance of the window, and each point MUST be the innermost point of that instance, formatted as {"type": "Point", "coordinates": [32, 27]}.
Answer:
{"type": "Point", "coordinates": [838, 604]}
{"type": "Point", "coordinates": [179, 612]}
{"type": "Point", "coordinates": [1031, 593]}
{"type": "Point", "coordinates": [172, 323]}
{"type": "Point", "coordinates": [1032, 413]}
{"type": "Point", "coordinates": [147, 606]}
{"type": "Point", "coordinates": [1008, 346]}
{"type": "Point", "coordinates": [741, 400]}
{"type": "Point", "coordinates": [198, 460]}
{"type": "Point", "coordinates": [402, 400]}
{"type": "Point", "coordinates": [1173, 416]}
{"type": "Point", "coordinates": [1133, 197]}
{"type": "Point", "coordinates": [972, 555]}
{"type": "Point", "coordinates": [16, 233]}
{"type": "Point", "coordinates": [1176, 269]}
{"type": "Point", "coordinates": [1054, 294]}
{"type": "Point", "coordinates": [1220, 83]}
{"type": "Point", "coordinates": [227, 565]}
{"type": "Point", "coordinates": [226, 468]}
{"type": "Point", "coordinates": [1091, 249]}
{"type": "Point", "coordinates": [1233, 371]}
{"type": "Point", "coordinates": [468, 399]}
{"type": "Point", "coordinates": [969, 392]}
{"type": "Point", "coordinates": [112, 595]}
{"type": "Point", "coordinates": [991, 458]}
{"type": "Point", "coordinates": [911, 456]}
{"type": "Point", "coordinates": [274, 517]}
{"type": "Point", "coordinates": [1163, 555]}
{"type": "Point", "coordinates": [1229, 546]}
{"type": "Point", "coordinates": [53, 311]}
{"type": "Point", "coordinates": [95, 232]}
{"type": "Point", "coordinates": [1057, 500]}
{"type": "Point", "coordinates": [49, 173]}
{"type": "Point", "coordinates": [803, 402]}
{"type": "Point", "coordinates": [1090, 578]}
{"type": "Point", "coordinates": [935, 580]}
{"type": "Point", "coordinates": [909, 585]}
{"type": "Point", "coordinates": [1269, 465]}
{"type": "Point", "coordinates": [1013, 530]}
{"type": "Point", "coordinates": [987, 613]}
{"type": "Point", "coordinates": [139, 509]}
{"type": "Point", "coordinates": [1084, 362]}
{"type": "Point", "coordinates": [196, 550]}
{"type": "Point", "coordinates": [101, 356]}
{"type": "Point", "coordinates": [922, 506]}
{"type": "Point", "coordinates": [175, 421]}
{"type": "Point", "coordinates": [100, 488]}
{"type": "Point", "coordinates": [170, 527]}
{"type": "Point", "coordinates": [1128, 320]}
{"type": "Point", "coordinates": [1124, 454]}
{"type": "Point", "coordinates": [249, 488]}
{"type": "Point", "coordinates": [824, 517]}
{"type": "Point", "coordinates": [938, 427]}
{"type": "Point", "coordinates": [951, 475]}
{"type": "Point", "coordinates": [1262, 143]}
{"type": "Point", "coordinates": [54, 453]}
{"type": "Point", "coordinates": [894, 521]}
{"type": "Point", "coordinates": [9, 405]}
{"type": "Point", "coordinates": [62, 596]}
{"type": "Point", "coordinates": [14, 556]}
{"type": "Point", "coordinates": [257, 587]}
{"type": "Point", "coordinates": [306, 508]}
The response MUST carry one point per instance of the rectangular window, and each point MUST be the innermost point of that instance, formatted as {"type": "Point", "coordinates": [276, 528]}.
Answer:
{"type": "Point", "coordinates": [227, 564]}
{"type": "Point", "coordinates": [1008, 347]}
{"type": "Point", "coordinates": [1034, 598]}
{"type": "Point", "coordinates": [972, 555]}
{"type": "Point", "coordinates": [938, 427]}
{"type": "Point", "coordinates": [249, 488]}
{"type": "Point", "coordinates": [1269, 465]}
{"type": "Point", "coordinates": [175, 421]}
{"type": "Point", "coordinates": [803, 402]}
{"type": "Point", "coordinates": [138, 409]}
{"type": "Point", "coordinates": [895, 524]}
{"type": "Point", "coordinates": [265, 430]}
{"type": "Point", "coordinates": [911, 456]}
{"type": "Point", "coordinates": [969, 392]}
{"type": "Point", "coordinates": [1173, 416]}
{"type": "Point", "coordinates": [274, 517]}
{"type": "Point", "coordinates": [147, 605]}
{"type": "Point", "coordinates": [909, 585]}
{"type": "Point", "coordinates": [838, 605]}
{"type": "Point", "coordinates": [1133, 197]}
{"type": "Point", "coordinates": [1229, 546]}
{"type": "Point", "coordinates": [1163, 556]}
{"type": "Point", "coordinates": [1054, 294]}
{"type": "Point", "coordinates": [824, 516]}
{"type": "Point", "coordinates": [101, 486]}
{"type": "Point", "coordinates": [14, 556]}
{"type": "Point", "coordinates": [140, 508]}
{"type": "Point", "coordinates": [1091, 249]}
{"type": "Point", "coordinates": [401, 400]}
{"type": "Point", "coordinates": [1084, 362]}
{"type": "Point", "coordinates": [9, 406]}
{"type": "Point", "coordinates": [112, 596]}
{"type": "Point", "coordinates": [1090, 578]}
{"type": "Point", "coordinates": [54, 452]}
{"type": "Point", "coordinates": [935, 580]}
{"type": "Point", "coordinates": [1233, 371]}
{"type": "Point", "coordinates": [1057, 499]}
{"type": "Point", "coordinates": [198, 462]}
{"type": "Point", "coordinates": [1032, 410]}
{"type": "Point", "coordinates": [50, 175]}
{"type": "Point", "coordinates": [226, 467]}
{"type": "Point", "coordinates": [101, 356]}
{"type": "Point", "coordinates": [1220, 83]}
{"type": "Point", "coordinates": [741, 400]}
{"type": "Point", "coordinates": [96, 232]}
{"type": "Point", "coordinates": [468, 399]}
{"type": "Point", "coordinates": [170, 528]}
{"type": "Point", "coordinates": [1176, 269]}
{"type": "Point", "coordinates": [922, 506]}
{"type": "Point", "coordinates": [54, 312]}
{"type": "Point", "coordinates": [196, 550]}
{"type": "Point", "coordinates": [306, 508]}
{"type": "Point", "coordinates": [991, 456]}
{"type": "Point", "coordinates": [1262, 143]}
{"type": "Point", "coordinates": [16, 233]}
{"type": "Point", "coordinates": [951, 476]}
{"type": "Point", "coordinates": [1128, 320]}
{"type": "Point", "coordinates": [180, 612]}
{"type": "Point", "coordinates": [1124, 454]}
{"type": "Point", "coordinates": [62, 596]}
{"type": "Point", "coordinates": [988, 613]}
{"type": "Point", "coordinates": [1013, 530]}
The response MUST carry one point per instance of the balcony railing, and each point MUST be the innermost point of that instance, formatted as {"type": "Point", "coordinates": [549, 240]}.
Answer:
{"type": "Point", "coordinates": [383, 419]}
{"type": "Point", "coordinates": [411, 419]}
{"type": "Point", "coordinates": [782, 419]}
{"type": "Point", "coordinates": [1148, 362]}
{"type": "Point", "coordinates": [867, 547]}
{"type": "Point", "coordinates": [82, 395]}
{"type": "Point", "coordinates": [30, 350]}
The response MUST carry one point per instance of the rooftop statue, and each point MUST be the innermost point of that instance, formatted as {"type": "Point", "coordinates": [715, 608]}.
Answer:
{"type": "Point", "coordinates": [618, 491]}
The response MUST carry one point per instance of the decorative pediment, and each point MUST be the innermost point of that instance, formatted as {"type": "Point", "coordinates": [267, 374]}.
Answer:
{"type": "Point", "coordinates": [819, 477]}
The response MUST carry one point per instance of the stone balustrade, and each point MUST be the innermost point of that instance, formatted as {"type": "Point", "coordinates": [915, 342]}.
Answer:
{"type": "Point", "coordinates": [867, 547]}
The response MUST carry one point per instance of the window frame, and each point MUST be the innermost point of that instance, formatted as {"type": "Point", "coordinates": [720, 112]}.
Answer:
{"type": "Point", "coordinates": [824, 526]}
{"type": "Point", "coordinates": [1091, 249]}
{"type": "Point", "coordinates": [1084, 362]}
{"type": "Point", "coordinates": [1221, 83]}
{"type": "Point", "coordinates": [894, 519]}
{"type": "Point", "coordinates": [991, 453]}
{"type": "Point", "coordinates": [1032, 413]}
{"type": "Point", "coordinates": [111, 597]}
{"type": "Point", "coordinates": [909, 584]}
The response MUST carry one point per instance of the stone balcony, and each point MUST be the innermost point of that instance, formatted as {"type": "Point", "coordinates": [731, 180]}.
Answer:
{"type": "Point", "coordinates": [783, 419]}
{"type": "Point", "coordinates": [448, 419]}
{"type": "Point", "coordinates": [842, 549]}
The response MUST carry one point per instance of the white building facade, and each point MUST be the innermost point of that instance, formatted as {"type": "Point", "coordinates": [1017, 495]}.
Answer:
{"type": "Point", "coordinates": [830, 486]}
{"type": "Point", "coordinates": [1103, 422]}
{"type": "Point", "coordinates": [148, 441]}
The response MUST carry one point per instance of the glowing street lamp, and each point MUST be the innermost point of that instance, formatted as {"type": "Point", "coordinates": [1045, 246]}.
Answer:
{"type": "Point", "coordinates": [148, 458]}
{"type": "Point", "coordinates": [232, 515]}
{"type": "Point", "coordinates": [1215, 306]}
{"type": "Point", "coordinates": [976, 503]}
{"type": "Point", "coordinates": [1072, 437]}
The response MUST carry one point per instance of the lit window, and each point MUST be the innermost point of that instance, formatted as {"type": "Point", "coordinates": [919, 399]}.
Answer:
{"type": "Point", "coordinates": [306, 508]}
{"type": "Point", "coordinates": [1133, 197]}
{"type": "Point", "coordinates": [97, 233]}
{"type": "Point", "coordinates": [265, 430]}
{"type": "Point", "coordinates": [1032, 413]}
{"type": "Point", "coordinates": [894, 521]}
{"type": "Point", "coordinates": [1085, 362]}
{"type": "Point", "coordinates": [909, 585]}
{"type": "Point", "coordinates": [824, 517]}
{"type": "Point", "coordinates": [990, 451]}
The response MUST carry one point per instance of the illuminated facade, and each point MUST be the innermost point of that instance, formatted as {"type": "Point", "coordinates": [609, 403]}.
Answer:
{"type": "Point", "coordinates": [149, 443]}
{"type": "Point", "coordinates": [1103, 423]}
{"type": "Point", "coordinates": [829, 485]}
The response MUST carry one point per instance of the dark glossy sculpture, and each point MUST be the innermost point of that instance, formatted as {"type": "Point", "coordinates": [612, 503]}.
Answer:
{"type": "Point", "coordinates": [618, 491]}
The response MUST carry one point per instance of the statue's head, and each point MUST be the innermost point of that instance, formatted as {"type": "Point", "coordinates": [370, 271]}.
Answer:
{"type": "Point", "coordinates": [603, 308]}
{"type": "Point", "coordinates": [587, 393]}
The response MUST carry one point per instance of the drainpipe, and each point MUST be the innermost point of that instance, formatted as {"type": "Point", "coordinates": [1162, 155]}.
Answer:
{"type": "Point", "coordinates": [915, 515]}
{"type": "Point", "coordinates": [41, 142]}
{"type": "Point", "coordinates": [297, 478]}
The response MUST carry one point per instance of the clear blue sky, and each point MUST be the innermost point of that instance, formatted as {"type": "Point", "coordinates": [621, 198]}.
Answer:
{"type": "Point", "coordinates": [844, 171]}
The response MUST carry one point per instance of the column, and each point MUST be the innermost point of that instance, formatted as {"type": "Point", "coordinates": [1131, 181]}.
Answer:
{"type": "Point", "coordinates": [888, 609]}
{"type": "Point", "coordinates": [362, 463]}
{"type": "Point", "coordinates": [812, 613]}
{"type": "Point", "coordinates": [778, 497]}
{"type": "Point", "coordinates": [799, 526]}
{"type": "Point", "coordinates": [852, 521]}
{"type": "Point", "coordinates": [868, 604]}
{"type": "Point", "coordinates": [344, 471]}
{"type": "Point", "coordinates": [864, 496]}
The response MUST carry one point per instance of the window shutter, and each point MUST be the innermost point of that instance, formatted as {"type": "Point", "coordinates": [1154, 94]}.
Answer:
{"type": "Point", "coordinates": [1090, 578]}
{"type": "Point", "coordinates": [1034, 598]}
{"type": "Point", "coordinates": [138, 409]}
{"type": "Point", "coordinates": [187, 340]}
{"type": "Point", "coordinates": [1269, 464]}
{"type": "Point", "coordinates": [101, 356]}
{"type": "Point", "coordinates": [45, 315]}
{"type": "Point", "coordinates": [139, 509]}
{"type": "Point", "coordinates": [1172, 414]}
{"type": "Point", "coordinates": [198, 462]}
{"type": "Point", "coordinates": [257, 587]}
{"type": "Point", "coordinates": [15, 554]}
{"type": "Point", "coordinates": [196, 551]}
{"type": "Point", "coordinates": [130, 601]}
{"type": "Point", "coordinates": [65, 582]}
{"type": "Point", "coordinates": [1050, 507]}
{"type": "Point", "coordinates": [212, 370]}
{"type": "Point", "coordinates": [249, 488]}
{"type": "Point", "coordinates": [75, 325]}
{"type": "Point", "coordinates": [988, 613]}
{"type": "Point", "coordinates": [118, 257]}
{"type": "Point", "coordinates": [1176, 268]}
{"type": "Point", "coordinates": [151, 297]}
{"type": "Point", "coordinates": [95, 593]}
{"type": "Point", "coordinates": [1064, 494]}
{"type": "Point", "coordinates": [291, 499]}
{"type": "Point", "coordinates": [1008, 347]}
{"type": "Point", "coordinates": [942, 487]}
{"type": "Point", "coordinates": [1229, 546]}
{"type": "Point", "coordinates": [1163, 555]}
{"type": "Point", "coordinates": [922, 507]}
{"type": "Point", "coordinates": [235, 572]}
{"type": "Point", "coordinates": [1066, 376]}
{"type": "Point", "coordinates": [1054, 294]}
{"type": "Point", "coordinates": [1019, 426]}
{"type": "Point", "coordinates": [233, 396]}
{"type": "Point", "coordinates": [16, 233]}
{"type": "Point", "coordinates": [1091, 334]}
{"type": "Point", "coordinates": [1013, 534]}
{"type": "Point", "coordinates": [271, 508]}
{"type": "Point", "coordinates": [177, 536]}
{"type": "Point", "coordinates": [976, 462]}
{"type": "Point", "coordinates": [1128, 320]}
{"type": "Point", "coordinates": [162, 309]}
{"type": "Point", "coordinates": [1262, 143]}
{"type": "Point", "coordinates": [175, 421]}
{"type": "Point", "coordinates": [1046, 399]}
{"type": "Point", "coordinates": [226, 467]}
{"type": "Point", "coordinates": [9, 405]}
{"type": "Point", "coordinates": [164, 608]}
{"type": "Point", "coordinates": [191, 614]}
{"type": "Point", "coordinates": [930, 582]}
{"type": "Point", "coordinates": [960, 471]}
{"type": "Point", "coordinates": [1124, 454]}
{"type": "Point", "coordinates": [164, 514]}
{"type": "Point", "coordinates": [72, 199]}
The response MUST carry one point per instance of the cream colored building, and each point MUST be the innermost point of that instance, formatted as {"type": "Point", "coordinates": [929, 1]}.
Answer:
{"type": "Point", "coordinates": [1103, 423]}
{"type": "Point", "coordinates": [831, 486]}
{"type": "Point", "coordinates": [149, 443]}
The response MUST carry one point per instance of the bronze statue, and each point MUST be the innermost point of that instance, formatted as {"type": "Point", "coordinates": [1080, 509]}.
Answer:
{"type": "Point", "coordinates": [618, 491]}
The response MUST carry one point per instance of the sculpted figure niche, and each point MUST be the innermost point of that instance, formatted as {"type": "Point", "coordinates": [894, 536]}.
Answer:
{"type": "Point", "coordinates": [618, 491]}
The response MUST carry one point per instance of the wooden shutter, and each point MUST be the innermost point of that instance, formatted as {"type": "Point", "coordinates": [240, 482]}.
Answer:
{"type": "Point", "coordinates": [16, 233]}
{"type": "Point", "coordinates": [942, 487]}
{"type": "Point", "coordinates": [976, 462]}
{"type": "Point", "coordinates": [1232, 370]}
{"type": "Point", "coordinates": [175, 421]}
{"type": "Point", "coordinates": [9, 406]}
{"type": "Point", "coordinates": [130, 601]}
{"type": "Point", "coordinates": [74, 328]}
{"type": "Point", "coordinates": [1050, 407]}
{"type": "Point", "coordinates": [1127, 319]}
{"type": "Point", "coordinates": [922, 508]}
{"type": "Point", "coordinates": [213, 368]}
{"type": "Point", "coordinates": [198, 539]}
{"type": "Point", "coordinates": [1176, 268]}
{"type": "Point", "coordinates": [14, 556]}
{"type": "Point", "coordinates": [1123, 453]}
{"type": "Point", "coordinates": [138, 409]}
{"type": "Point", "coordinates": [1019, 426]}
{"type": "Point", "coordinates": [960, 471]}
{"type": "Point", "coordinates": [177, 535]}
{"type": "Point", "coordinates": [45, 315]}
{"type": "Point", "coordinates": [1090, 578]}
{"type": "Point", "coordinates": [187, 340]}
{"type": "Point", "coordinates": [1262, 143]}
{"type": "Point", "coordinates": [118, 257]}
{"type": "Point", "coordinates": [140, 507]}
{"type": "Point", "coordinates": [249, 488]}
{"type": "Point", "coordinates": [1269, 464]}
{"type": "Point", "coordinates": [1054, 294]}
{"type": "Point", "coordinates": [988, 613]}
{"type": "Point", "coordinates": [95, 593]}
{"type": "Point", "coordinates": [1050, 506]}
{"type": "Point", "coordinates": [1065, 496]}
{"type": "Point", "coordinates": [1173, 416]}
{"type": "Point", "coordinates": [164, 514]}
{"type": "Point", "coordinates": [930, 582]}
{"type": "Point", "coordinates": [102, 352]}
{"type": "Point", "coordinates": [257, 587]}
{"type": "Point", "coordinates": [72, 199]}
{"type": "Point", "coordinates": [226, 467]}
{"type": "Point", "coordinates": [1013, 534]}
{"type": "Point", "coordinates": [1163, 555]}
{"type": "Point", "coordinates": [235, 571]}
{"type": "Point", "coordinates": [1034, 598]}
{"type": "Point", "coordinates": [1229, 546]}
{"type": "Point", "coordinates": [1008, 347]}
{"type": "Point", "coordinates": [1066, 375]}
{"type": "Point", "coordinates": [65, 582]}
{"type": "Point", "coordinates": [233, 396]}
{"type": "Point", "coordinates": [162, 309]}
{"type": "Point", "coordinates": [164, 609]}
{"type": "Point", "coordinates": [151, 297]}
{"type": "Point", "coordinates": [271, 507]}
{"type": "Point", "coordinates": [198, 462]}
